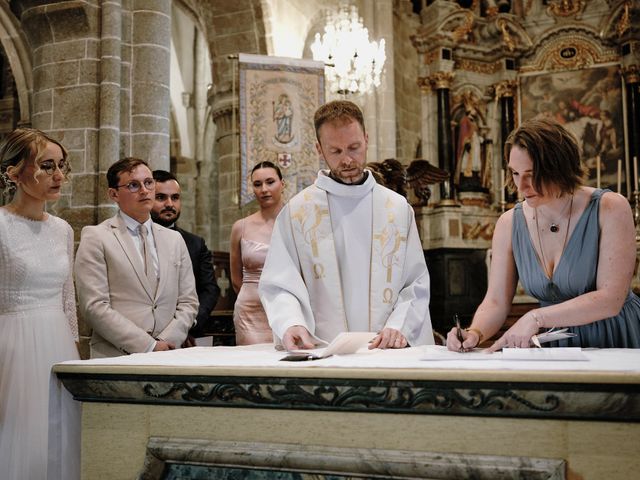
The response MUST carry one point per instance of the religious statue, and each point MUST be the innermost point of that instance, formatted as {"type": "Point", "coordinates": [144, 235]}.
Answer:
{"type": "Point", "coordinates": [418, 175]}
{"type": "Point", "coordinates": [283, 116]}
{"type": "Point", "coordinates": [469, 162]}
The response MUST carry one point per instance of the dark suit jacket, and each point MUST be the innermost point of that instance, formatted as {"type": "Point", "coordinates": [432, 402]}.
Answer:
{"type": "Point", "coordinates": [206, 285]}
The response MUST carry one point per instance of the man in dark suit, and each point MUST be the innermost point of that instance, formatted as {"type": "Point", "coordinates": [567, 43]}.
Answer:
{"type": "Point", "coordinates": [166, 211]}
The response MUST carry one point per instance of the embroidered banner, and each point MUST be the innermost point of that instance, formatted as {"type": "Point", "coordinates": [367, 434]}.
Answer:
{"type": "Point", "coordinates": [278, 97]}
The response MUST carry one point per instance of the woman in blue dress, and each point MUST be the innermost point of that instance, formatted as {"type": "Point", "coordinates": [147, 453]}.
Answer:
{"type": "Point", "coordinates": [572, 247]}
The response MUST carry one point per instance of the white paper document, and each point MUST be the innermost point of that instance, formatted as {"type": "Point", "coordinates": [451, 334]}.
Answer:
{"type": "Point", "coordinates": [344, 344]}
{"type": "Point", "coordinates": [440, 353]}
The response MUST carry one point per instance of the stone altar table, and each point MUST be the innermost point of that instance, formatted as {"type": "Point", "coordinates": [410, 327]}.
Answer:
{"type": "Point", "coordinates": [225, 411]}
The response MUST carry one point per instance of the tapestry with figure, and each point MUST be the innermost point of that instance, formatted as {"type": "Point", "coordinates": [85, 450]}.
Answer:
{"type": "Point", "coordinates": [278, 97]}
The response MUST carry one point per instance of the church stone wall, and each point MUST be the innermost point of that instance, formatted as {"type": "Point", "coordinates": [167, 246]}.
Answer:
{"type": "Point", "coordinates": [100, 85]}
{"type": "Point", "coordinates": [408, 111]}
{"type": "Point", "coordinates": [65, 76]}
{"type": "Point", "coordinates": [230, 28]}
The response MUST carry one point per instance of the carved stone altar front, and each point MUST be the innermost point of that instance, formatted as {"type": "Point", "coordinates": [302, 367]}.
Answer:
{"type": "Point", "coordinates": [194, 421]}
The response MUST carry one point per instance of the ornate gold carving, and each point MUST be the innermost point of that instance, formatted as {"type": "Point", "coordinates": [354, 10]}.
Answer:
{"type": "Point", "coordinates": [506, 88]}
{"type": "Point", "coordinates": [506, 36]}
{"type": "Point", "coordinates": [442, 80]}
{"type": "Point", "coordinates": [565, 8]}
{"type": "Point", "coordinates": [492, 11]}
{"type": "Point", "coordinates": [478, 67]}
{"type": "Point", "coordinates": [631, 74]}
{"type": "Point", "coordinates": [572, 56]}
{"type": "Point", "coordinates": [425, 84]}
{"type": "Point", "coordinates": [463, 31]}
{"type": "Point", "coordinates": [625, 22]}
{"type": "Point", "coordinates": [570, 53]}
{"type": "Point", "coordinates": [430, 57]}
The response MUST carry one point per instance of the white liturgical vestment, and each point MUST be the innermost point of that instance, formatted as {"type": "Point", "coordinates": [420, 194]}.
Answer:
{"type": "Point", "coordinates": [347, 258]}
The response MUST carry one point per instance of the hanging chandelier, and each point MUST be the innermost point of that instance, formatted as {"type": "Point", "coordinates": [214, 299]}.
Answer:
{"type": "Point", "coordinates": [355, 63]}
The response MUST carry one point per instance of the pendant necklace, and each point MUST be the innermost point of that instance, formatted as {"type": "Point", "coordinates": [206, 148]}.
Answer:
{"type": "Point", "coordinates": [551, 227]}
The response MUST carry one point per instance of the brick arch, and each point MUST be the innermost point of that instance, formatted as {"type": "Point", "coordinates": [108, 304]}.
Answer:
{"type": "Point", "coordinates": [18, 53]}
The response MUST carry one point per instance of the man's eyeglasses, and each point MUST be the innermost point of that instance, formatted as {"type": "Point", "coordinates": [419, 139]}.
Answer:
{"type": "Point", "coordinates": [134, 185]}
{"type": "Point", "coordinates": [49, 167]}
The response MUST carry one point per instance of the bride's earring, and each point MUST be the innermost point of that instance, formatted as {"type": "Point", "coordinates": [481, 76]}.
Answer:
{"type": "Point", "coordinates": [11, 176]}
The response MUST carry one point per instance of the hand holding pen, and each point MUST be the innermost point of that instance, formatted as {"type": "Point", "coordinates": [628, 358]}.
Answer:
{"type": "Point", "coordinates": [457, 336]}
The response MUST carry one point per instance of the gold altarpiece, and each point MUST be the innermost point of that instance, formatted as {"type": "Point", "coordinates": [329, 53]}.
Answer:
{"type": "Point", "coordinates": [485, 67]}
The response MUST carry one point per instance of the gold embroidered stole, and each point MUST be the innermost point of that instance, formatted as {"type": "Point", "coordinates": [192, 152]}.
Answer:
{"type": "Point", "coordinates": [388, 254]}
{"type": "Point", "coordinates": [313, 235]}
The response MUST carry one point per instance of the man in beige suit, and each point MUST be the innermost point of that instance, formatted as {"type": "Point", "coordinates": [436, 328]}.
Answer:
{"type": "Point", "coordinates": [134, 278]}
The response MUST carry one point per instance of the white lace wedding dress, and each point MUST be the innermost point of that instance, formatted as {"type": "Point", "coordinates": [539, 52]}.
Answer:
{"type": "Point", "coordinates": [37, 329]}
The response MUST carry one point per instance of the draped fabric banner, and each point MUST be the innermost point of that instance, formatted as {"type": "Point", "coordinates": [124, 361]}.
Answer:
{"type": "Point", "coordinates": [278, 97]}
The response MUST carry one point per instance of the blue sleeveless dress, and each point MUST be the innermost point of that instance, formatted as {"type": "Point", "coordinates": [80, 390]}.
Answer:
{"type": "Point", "coordinates": [574, 275]}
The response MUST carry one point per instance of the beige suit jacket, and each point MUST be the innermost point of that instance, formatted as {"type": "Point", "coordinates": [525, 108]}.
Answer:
{"type": "Point", "coordinates": [115, 297]}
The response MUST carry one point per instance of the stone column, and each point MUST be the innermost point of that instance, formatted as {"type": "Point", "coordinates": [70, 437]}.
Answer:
{"type": "Point", "coordinates": [442, 84]}
{"type": "Point", "coordinates": [378, 16]}
{"type": "Point", "coordinates": [226, 165]}
{"type": "Point", "coordinates": [429, 126]}
{"type": "Point", "coordinates": [632, 86]}
{"type": "Point", "coordinates": [64, 38]}
{"type": "Point", "coordinates": [150, 100]}
{"type": "Point", "coordinates": [109, 100]}
{"type": "Point", "coordinates": [204, 193]}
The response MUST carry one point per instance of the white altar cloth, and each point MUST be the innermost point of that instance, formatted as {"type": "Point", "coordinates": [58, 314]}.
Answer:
{"type": "Point", "coordinates": [265, 356]}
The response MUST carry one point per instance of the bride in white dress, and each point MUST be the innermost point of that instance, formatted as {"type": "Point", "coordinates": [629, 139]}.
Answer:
{"type": "Point", "coordinates": [38, 324]}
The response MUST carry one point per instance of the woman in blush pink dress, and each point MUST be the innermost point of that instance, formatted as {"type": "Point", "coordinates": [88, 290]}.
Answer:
{"type": "Point", "coordinates": [250, 239]}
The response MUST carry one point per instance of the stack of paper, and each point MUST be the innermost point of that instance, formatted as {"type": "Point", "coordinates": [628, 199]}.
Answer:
{"type": "Point", "coordinates": [344, 344]}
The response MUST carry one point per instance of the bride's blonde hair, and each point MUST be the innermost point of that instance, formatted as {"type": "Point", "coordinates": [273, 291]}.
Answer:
{"type": "Point", "coordinates": [21, 146]}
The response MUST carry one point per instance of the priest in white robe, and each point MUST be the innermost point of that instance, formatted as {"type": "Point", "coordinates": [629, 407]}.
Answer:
{"type": "Point", "coordinates": [345, 253]}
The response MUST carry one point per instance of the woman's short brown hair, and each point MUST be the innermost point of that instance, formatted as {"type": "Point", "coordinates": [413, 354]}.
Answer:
{"type": "Point", "coordinates": [554, 152]}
